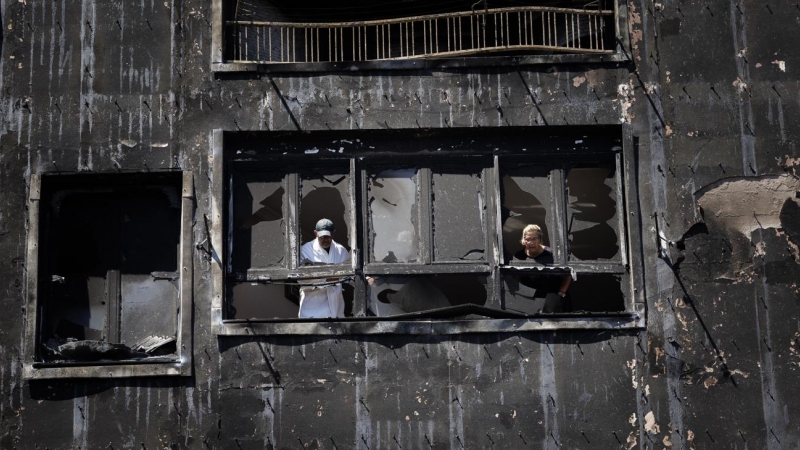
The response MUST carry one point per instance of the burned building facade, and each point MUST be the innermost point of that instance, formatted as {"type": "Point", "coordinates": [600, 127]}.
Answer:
{"type": "Point", "coordinates": [163, 162]}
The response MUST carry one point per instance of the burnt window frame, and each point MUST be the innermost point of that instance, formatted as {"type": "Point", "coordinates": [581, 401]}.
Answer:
{"type": "Point", "coordinates": [34, 367]}
{"type": "Point", "coordinates": [220, 63]}
{"type": "Point", "coordinates": [633, 289]}
{"type": "Point", "coordinates": [292, 268]}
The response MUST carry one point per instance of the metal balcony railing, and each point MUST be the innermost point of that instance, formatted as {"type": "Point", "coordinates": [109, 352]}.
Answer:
{"type": "Point", "coordinates": [486, 31]}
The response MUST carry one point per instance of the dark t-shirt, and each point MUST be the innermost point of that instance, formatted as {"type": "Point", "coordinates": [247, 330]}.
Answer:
{"type": "Point", "coordinates": [546, 257]}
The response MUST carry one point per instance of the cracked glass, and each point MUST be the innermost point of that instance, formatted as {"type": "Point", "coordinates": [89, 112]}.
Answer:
{"type": "Point", "coordinates": [392, 202]}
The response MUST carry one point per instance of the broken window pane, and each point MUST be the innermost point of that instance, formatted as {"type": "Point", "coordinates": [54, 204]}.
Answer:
{"type": "Point", "coordinates": [592, 212]}
{"type": "Point", "coordinates": [389, 296]}
{"type": "Point", "coordinates": [258, 238]}
{"type": "Point", "coordinates": [392, 200]}
{"type": "Point", "coordinates": [459, 232]}
{"type": "Point", "coordinates": [325, 194]}
{"type": "Point", "coordinates": [264, 301]}
{"type": "Point", "coordinates": [527, 200]}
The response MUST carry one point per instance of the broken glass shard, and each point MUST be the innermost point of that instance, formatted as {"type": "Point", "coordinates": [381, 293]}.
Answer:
{"type": "Point", "coordinates": [592, 213]}
{"type": "Point", "coordinates": [257, 226]}
{"type": "Point", "coordinates": [392, 215]}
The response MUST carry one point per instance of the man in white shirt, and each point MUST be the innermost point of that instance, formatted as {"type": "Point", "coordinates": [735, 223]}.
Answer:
{"type": "Point", "coordinates": [322, 301]}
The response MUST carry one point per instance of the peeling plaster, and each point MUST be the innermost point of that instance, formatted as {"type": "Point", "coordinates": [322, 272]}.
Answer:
{"type": "Point", "coordinates": [746, 204]}
{"type": "Point", "coordinates": [650, 424]}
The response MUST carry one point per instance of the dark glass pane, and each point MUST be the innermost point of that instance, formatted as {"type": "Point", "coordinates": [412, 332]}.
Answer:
{"type": "Point", "coordinates": [264, 301]}
{"type": "Point", "coordinates": [459, 231]}
{"type": "Point", "coordinates": [389, 296]}
{"type": "Point", "coordinates": [325, 193]}
{"type": "Point", "coordinates": [392, 199]}
{"type": "Point", "coordinates": [257, 225]}
{"type": "Point", "coordinates": [592, 213]}
{"type": "Point", "coordinates": [526, 200]}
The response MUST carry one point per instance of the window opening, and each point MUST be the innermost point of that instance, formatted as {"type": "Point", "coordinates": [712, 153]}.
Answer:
{"type": "Point", "coordinates": [592, 210]}
{"type": "Point", "coordinates": [398, 295]}
{"type": "Point", "coordinates": [258, 229]}
{"type": "Point", "coordinates": [109, 277]}
{"type": "Point", "coordinates": [324, 193]}
{"type": "Point", "coordinates": [458, 213]}
{"type": "Point", "coordinates": [527, 198]}
{"type": "Point", "coordinates": [432, 231]}
{"type": "Point", "coordinates": [598, 292]}
{"type": "Point", "coordinates": [536, 293]}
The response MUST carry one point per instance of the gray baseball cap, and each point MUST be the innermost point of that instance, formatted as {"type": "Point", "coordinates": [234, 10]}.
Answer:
{"type": "Point", "coordinates": [324, 227]}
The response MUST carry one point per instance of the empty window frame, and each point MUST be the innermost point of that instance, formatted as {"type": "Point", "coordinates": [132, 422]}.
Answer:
{"type": "Point", "coordinates": [313, 35]}
{"type": "Point", "coordinates": [578, 201]}
{"type": "Point", "coordinates": [273, 208]}
{"type": "Point", "coordinates": [431, 237]}
{"type": "Point", "coordinates": [109, 259]}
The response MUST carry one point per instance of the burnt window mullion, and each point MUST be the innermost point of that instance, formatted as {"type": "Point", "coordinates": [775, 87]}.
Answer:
{"type": "Point", "coordinates": [292, 223]}
{"type": "Point", "coordinates": [358, 217]}
{"type": "Point", "coordinates": [424, 215]}
{"type": "Point", "coordinates": [560, 238]}
{"type": "Point", "coordinates": [494, 238]}
{"type": "Point", "coordinates": [623, 239]}
{"type": "Point", "coordinates": [496, 210]}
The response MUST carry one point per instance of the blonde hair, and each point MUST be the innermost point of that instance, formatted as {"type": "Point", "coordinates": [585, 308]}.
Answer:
{"type": "Point", "coordinates": [531, 228]}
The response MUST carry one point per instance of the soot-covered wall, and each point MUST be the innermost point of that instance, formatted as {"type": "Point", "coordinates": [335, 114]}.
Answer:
{"type": "Point", "coordinates": [712, 95]}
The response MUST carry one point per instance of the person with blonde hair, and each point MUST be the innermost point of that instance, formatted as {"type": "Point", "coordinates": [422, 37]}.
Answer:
{"type": "Point", "coordinates": [553, 288]}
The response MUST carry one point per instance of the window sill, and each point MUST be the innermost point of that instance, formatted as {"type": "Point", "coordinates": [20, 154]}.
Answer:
{"type": "Point", "coordinates": [369, 326]}
{"type": "Point", "coordinates": [106, 369]}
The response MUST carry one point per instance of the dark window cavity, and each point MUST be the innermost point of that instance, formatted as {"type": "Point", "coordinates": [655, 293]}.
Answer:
{"type": "Point", "coordinates": [109, 267]}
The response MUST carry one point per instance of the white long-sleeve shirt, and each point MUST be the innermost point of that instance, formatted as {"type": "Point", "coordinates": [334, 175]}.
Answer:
{"type": "Point", "coordinates": [322, 301]}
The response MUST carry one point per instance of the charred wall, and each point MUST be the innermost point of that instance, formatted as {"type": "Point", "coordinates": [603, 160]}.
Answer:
{"type": "Point", "coordinates": [712, 95]}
